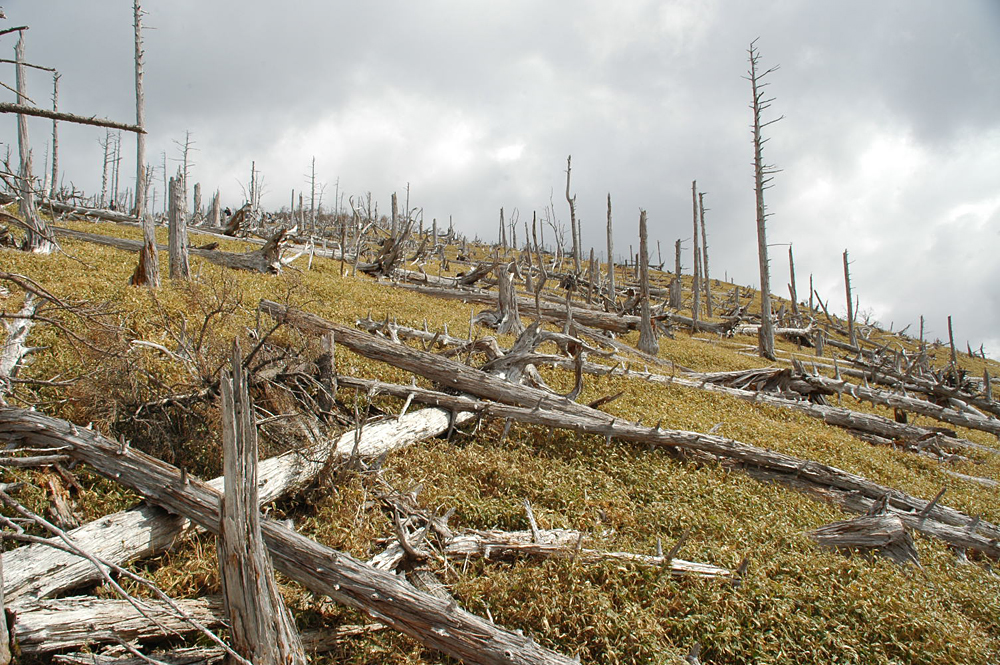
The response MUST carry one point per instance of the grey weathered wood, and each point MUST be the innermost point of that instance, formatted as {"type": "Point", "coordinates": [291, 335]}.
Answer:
{"type": "Point", "coordinates": [765, 342]}
{"type": "Point", "coordinates": [884, 535]}
{"type": "Point", "coordinates": [15, 346]}
{"type": "Point", "coordinates": [5, 650]}
{"type": "Point", "coordinates": [73, 623]}
{"type": "Point", "coordinates": [696, 271]}
{"type": "Point", "coordinates": [38, 571]}
{"type": "Point", "coordinates": [140, 116]}
{"type": "Point", "coordinates": [850, 303]}
{"type": "Point", "coordinates": [22, 109]}
{"type": "Point", "coordinates": [520, 402]}
{"type": "Point", "coordinates": [647, 336]}
{"type": "Point", "coordinates": [177, 229]}
{"type": "Point", "coordinates": [262, 628]}
{"type": "Point", "coordinates": [571, 200]}
{"type": "Point", "coordinates": [38, 239]}
{"type": "Point", "coordinates": [434, 622]}
{"type": "Point", "coordinates": [611, 255]}
{"type": "Point", "coordinates": [704, 256]}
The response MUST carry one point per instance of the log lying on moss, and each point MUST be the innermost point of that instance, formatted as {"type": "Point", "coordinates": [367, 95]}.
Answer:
{"type": "Point", "coordinates": [36, 571]}
{"type": "Point", "coordinates": [264, 260]}
{"type": "Point", "coordinates": [531, 405]}
{"type": "Point", "coordinates": [72, 623]}
{"type": "Point", "coordinates": [434, 622]}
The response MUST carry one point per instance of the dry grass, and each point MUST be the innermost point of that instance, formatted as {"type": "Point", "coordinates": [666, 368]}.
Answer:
{"type": "Point", "coordinates": [796, 605]}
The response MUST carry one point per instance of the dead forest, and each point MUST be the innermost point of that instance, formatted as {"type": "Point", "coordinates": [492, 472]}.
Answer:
{"type": "Point", "coordinates": [358, 437]}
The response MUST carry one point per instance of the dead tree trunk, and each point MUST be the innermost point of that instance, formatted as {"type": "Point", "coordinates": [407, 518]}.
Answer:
{"type": "Point", "coordinates": [214, 212]}
{"type": "Point", "coordinates": [196, 208]}
{"type": "Point", "coordinates": [704, 256]}
{"type": "Point", "coordinates": [140, 117]}
{"type": "Point", "coordinates": [179, 268]}
{"type": "Point", "coordinates": [675, 285]}
{"type": "Point", "coordinates": [762, 176]}
{"type": "Point", "coordinates": [647, 336]}
{"type": "Point", "coordinates": [38, 239]}
{"type": "Point", "coordinates": [509, 319]}
{"type": "Point", "coordinates": [850, 303]}
{"type": "Point", "coordinates": [5, 651]}
{"type": "Point", "coordinates": [572, 218]}
{"type": "Point", "coordinates": [611, 255]}
{"type": "Point", "coordinates": [791, 284]}
{"type": "Point", "coordinates": [262, 628]}
{"type": "Point", "coordinates": [54, 187]}
{"type": "Point", "coordinates": [696, 271]}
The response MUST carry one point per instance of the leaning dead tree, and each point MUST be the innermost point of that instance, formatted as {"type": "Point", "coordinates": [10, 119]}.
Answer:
{"type": "Point", "coordinates": [38, 239]}
{"type": "Point", "coordinates": [762, 176]}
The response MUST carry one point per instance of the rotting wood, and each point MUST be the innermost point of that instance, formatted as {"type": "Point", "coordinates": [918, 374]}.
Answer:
{"type": "Point", "coordinates": [38, 571]}
{"type": "Point", "coordinates": [847, 489]}
{"type": "Point", "coordinates": [262, 628]}
{"type": "Point", "coordinates": [432, 621]}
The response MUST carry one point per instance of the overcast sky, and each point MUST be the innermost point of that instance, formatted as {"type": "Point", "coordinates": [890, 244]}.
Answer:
{"type": "Point", "coordinates": [889, 146]}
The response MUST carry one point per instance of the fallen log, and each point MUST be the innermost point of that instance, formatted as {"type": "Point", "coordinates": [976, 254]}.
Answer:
{"type": "Point", "coordinates": [883, 535]}
{"type": "Point", "coordinates": [39, 571]}
{"type": "Point", "coordinates": [72, 623]}
{"type": "Point", "coordinates": [264, 260]}
{"type": "Point", "coordinates": [539, 407]}
{"type": "Point", "coordinates": [433, 622]}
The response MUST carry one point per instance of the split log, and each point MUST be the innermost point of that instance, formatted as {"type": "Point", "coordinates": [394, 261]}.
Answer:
{"type": "Point", "coordinates": [883, 535]}
{"type": "Point", "coordinates": [38, 571]}
{"type": "Point", "coordinates": [73, 623]}
{"type": "Point", "coordinates": [434, 622]}
{"type": "Point", "coordinates": [537, 406]}
{"type": "Point", "coordinates": [263, 630]}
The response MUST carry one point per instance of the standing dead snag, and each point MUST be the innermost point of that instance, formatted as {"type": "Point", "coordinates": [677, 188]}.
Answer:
{"type": "Point", "coordinates": [647, 336]}
{"type": "Point", "coordinates": [611, 257]}
{"type": "Point", "coordinates": [38, 239]}
{"type": "Point", "coordinates": [791, 284]}
{"type": "Point", "coordinates": [762, 173]}
{"type": "Point", "coordinates": [147, 272]}
{"type": "Point", "coordinates": [572, 218]}
{"type": "Point", "coordinates": [850, 303]}
{"type": "Point", "coordinates": [263, 629]}
{"type": "Point", "coordinates": [704, 256]}
{"type": "Point", "coordinates": [178, 230]}
{"type": "Point", "coordinates": [696, 280]}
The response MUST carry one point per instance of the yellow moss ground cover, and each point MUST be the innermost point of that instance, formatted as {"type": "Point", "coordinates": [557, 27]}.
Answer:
{"type": "Point", "coordinates": [796, 604]}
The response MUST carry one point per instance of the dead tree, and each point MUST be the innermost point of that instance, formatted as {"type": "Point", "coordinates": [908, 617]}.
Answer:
{"type": "Point", "coordinates": [572, 218]}
{"type": "Point", "coordinates": [704, 256]}
{"type": "Point", "coordinates": [850, 303]}
{"type": "Point", "coordinates": [763, 174]}
{"type": "Point", "coordinates": [647, 336]}
{"type": "Point", "coordinates": [675, 285]}
{"type": "Point", "coordinates": [37, 239]}
{"type": "Point", "coordinates": [178, 244]}
{"type": "Point", "coordinates": [696, 272]}
{"type": "Point", "coordinates": [147, 272]}
{"type": "Point", "coordinates": [55, 137]}
{"type": "Point", "coordinates": [791, 284]}
{"type": "Point", "coordinates": [263, 629]}
{"type": "Point", "coordinates": [611, 256]}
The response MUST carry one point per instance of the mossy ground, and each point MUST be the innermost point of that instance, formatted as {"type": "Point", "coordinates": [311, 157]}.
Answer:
{"type": "Point", "coordinates": [796, 604]}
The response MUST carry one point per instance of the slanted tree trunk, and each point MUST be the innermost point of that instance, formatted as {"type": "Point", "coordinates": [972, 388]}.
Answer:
{"type": "Point", "coordinates": [54, 187]}
{"type": "Point", "coordinates": [178, 245]}
{"type": "Point", "coordinates": [762, 173]}
{"type": "Point", "coordinates": [647, 336]}
{"type": "Point", "coordinates": [262, 628]}
{"type": "Point", "coordinates": [37, 239]}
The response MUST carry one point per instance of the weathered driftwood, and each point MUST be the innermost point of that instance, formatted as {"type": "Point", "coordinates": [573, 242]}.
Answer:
{"type": "Point", "coordinates": [536, 406]}
{"type": "Point", "coordinates": [884, 535]}
{"type": "Point", "coordinates": [38, 571]}
{"type": "Point", "coordinates": [72, 623]}
{"type": "Point", "coordinates": [265, 260]}
{"type": "Point", "coordinates": [262, 629]}
{"type": "Point", "coordinates": [434, 622]}
{"type": "Point", "coordinates": [565, 544]}
{"type": "Point", "coordinates": [316, 642]}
